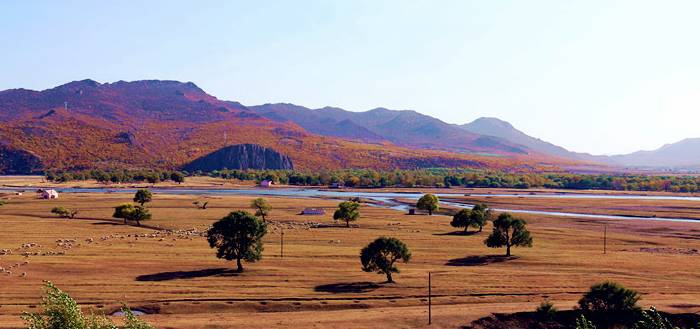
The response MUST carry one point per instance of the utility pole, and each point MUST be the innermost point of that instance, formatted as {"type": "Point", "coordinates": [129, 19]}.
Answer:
{"type": "Point", "coordinates": [605, 238]}
{"type": "Point", "coordinates": [282, 244]}
{"type": "Point", "coordinates": [430, 301]}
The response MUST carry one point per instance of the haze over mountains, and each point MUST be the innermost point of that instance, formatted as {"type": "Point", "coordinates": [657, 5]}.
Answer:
{"type": "Point", "coordinates": [167, 124]}
{"type": "Point", "coordinates": [484, 134]}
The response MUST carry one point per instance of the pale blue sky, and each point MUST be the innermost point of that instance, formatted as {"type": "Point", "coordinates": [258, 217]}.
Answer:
{"type": "Point", "coordinates": [594, 76]}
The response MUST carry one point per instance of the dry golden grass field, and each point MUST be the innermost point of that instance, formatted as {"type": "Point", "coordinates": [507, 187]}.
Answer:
{"type": "Point", "coordinates": [168, 269]}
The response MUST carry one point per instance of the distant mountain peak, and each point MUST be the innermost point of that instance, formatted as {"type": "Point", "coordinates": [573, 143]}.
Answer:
{"type": "Point", "coordinates": [86, 83]}
{"type": "Point", "coordinates": [499, 128]}
{"type": "Point", "coordinates": [492, 121]}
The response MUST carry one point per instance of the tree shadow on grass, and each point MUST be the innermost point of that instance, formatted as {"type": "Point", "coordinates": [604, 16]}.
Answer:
{"type": "Point", "coordinates": [178, 275]}
{"type": "Point", "coordinates": [347, 287]}
{"type": "Point", "coordinates": [479, 260]}
{"type": "Point", "coordinates": [459, 233]}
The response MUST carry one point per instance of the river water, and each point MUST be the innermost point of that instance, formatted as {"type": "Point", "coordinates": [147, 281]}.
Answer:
{"type": "Point", "coordinates": [388, 199]}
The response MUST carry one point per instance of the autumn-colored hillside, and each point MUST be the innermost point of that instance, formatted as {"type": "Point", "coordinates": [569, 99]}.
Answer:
{"type": "Point", "coordinates": [167, 124]}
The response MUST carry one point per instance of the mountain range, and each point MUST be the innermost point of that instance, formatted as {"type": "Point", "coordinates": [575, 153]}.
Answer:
{"type": "Point", "coordinates": [168, 124]}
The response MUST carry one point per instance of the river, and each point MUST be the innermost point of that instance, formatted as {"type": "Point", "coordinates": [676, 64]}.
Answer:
{"type": "Point", "coordinates": [388, 199]}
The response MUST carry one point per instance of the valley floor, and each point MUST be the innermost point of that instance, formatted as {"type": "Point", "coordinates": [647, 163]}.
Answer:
{"type": "Point", "coordinates": [166, 268]}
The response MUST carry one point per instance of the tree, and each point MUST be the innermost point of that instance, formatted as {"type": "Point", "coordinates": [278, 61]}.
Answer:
{"type": "Point", "coordinates": [462, 219]}
{"type": "Point", "coordinates": [2, 203]}
{"type": "Point", "coordinates": [129, 212]}
{"type": "Point", "coordinates": [262, 208]}
{"type": "Point", "coordinates": [480, 214]}
{"type": "Point", "coordinates": [64, 213]}
{"type": "Point", "coordinates": [62, 311]}
{"type": "Point", "coordinates": [139, 214]}
{"type": "Point", "coordinates": [238, 236]}
{"type": "Point", "coordinates": [428, 202]}
{"type": "Point", "coordinates": [177, 177]}
{"type": "Point", "coordinates": [348, 211]}
{"type": "Point", "coordinates": [122, 211]}
{"type": "Point", "coordinates": [610, 303]}
{"type": "Point", "coordinates": [381, 255]}
{"type": "Point", "coordinates": [142, 196]}
{"type": "Point", "coordinates": [509, 231]}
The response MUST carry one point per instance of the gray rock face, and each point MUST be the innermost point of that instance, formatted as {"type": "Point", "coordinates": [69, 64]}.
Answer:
{"type": "Point", "coordinates": [242, 156]}
{"type": "Point", "coordinates": [18, 162]}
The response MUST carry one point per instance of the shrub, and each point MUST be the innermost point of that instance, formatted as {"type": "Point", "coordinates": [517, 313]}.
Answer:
{"type": "Point", "coordinates": [62, 311]}
{"type": "Point", "coordinates": [651, 319]}
{"type": "Point", "coordinates": [546, 311]}
{"type": "Point", "coordinates": [583, 323]}
{"type": "Point", "coordinates": [610, 303]}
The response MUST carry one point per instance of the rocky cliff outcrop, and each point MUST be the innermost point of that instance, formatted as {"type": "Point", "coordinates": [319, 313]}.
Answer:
{"type": "Point", "coordinates": [242, 156]}
{"type": "Point", "coordinates": [18, 162]}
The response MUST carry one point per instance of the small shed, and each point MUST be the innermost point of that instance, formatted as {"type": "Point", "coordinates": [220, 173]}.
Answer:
{"type": "Point", "coordinates": [412, 211]}
{"type": "Point", "coordinates": [267, 183]}
{"type": "Point", "coordinates": [313, 211]}
{"type": "Point", "coordinates": [47, 194]}
{"type": "Point", "coordinates": [337, 185]}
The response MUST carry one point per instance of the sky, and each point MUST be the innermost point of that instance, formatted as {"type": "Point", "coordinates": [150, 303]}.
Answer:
{"type": "Point", "coordinates": [604, 77]}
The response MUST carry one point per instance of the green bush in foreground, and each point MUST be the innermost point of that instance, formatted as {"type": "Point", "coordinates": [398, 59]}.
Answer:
{"type": "Point", "coordinates": [546, 311]}
{"type": "Point", "coordinates": [651, 319]}
{"type": "Point", "coordinates": [610, 303]}
{"type": "Point", "coordinates": [583, 323]}
{"type": "Point", "coordinates": [60, 311]}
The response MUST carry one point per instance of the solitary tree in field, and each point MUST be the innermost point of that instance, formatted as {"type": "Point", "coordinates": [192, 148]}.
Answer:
{"type": "Point", "coordinates": [480, 214]}
{"type": "Point", "coordinates": [262, 208]}
{"type": "Point", "coordinates": [177, 177]}
{"type": "Point", "coordinates": [348, 211]}
{"type": "Point", "coordinates": [143, 196]}
{"type": "Point", "coordinates": [64, 213]}
{"type": "Point", "coordinates": [429, 203]}
{"type": "Point", "coordinates": [462, 219]}
{"type": "Point", "coordinates": [238, 236]}
{"type": "Point", "coordinates": [509, 231]}
{"type": "Point", "coordinates": [382, 254]}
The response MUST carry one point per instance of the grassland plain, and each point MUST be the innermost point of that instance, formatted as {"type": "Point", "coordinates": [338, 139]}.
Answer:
{"type": "Point", "coordinates": [166, 268]}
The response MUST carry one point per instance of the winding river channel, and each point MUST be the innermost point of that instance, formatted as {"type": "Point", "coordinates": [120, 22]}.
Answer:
{"type": "Point", "coordinates": [390, 200]}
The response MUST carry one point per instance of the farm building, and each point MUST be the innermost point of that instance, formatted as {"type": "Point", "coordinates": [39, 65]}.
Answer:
{"type": "Point", "coordinates": [313, 211]}
{"type": "Point", "coordinates": [47, 194]}
{"type": "Point", "coordinates": [267, 183]}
